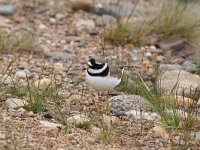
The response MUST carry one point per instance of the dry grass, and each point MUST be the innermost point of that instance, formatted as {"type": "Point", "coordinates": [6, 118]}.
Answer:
{"type": "Point", "coordinates": [21, 40]}
{"type": "Point", "coordinates": [176, 18]}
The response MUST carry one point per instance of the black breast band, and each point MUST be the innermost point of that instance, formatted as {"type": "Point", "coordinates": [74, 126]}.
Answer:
{"type": "Point", "coordinates": [102, 74]}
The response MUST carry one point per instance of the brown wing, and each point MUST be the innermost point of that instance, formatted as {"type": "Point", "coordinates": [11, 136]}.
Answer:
{"type": "Point", "coordinates": [116, 72]}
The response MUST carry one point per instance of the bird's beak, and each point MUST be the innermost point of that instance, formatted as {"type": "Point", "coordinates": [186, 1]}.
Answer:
{"type": "Point", "coordinates": [87, 67]}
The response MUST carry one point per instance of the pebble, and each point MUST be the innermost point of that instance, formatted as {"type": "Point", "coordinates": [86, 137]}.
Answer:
{"type": "Point", "coordinates": [105, 20]}
{"type": "Point", "coordinates": [195, 136]}
{"type": "Point", "coordinates": [189, 66]}
{"type": "Point", "coordinates": [114, 10]}
{"type": "Point", "coordinates": [60, 16]}
{"type": "Point", "coordinates": [93, 31]}
{"type": "Point", "coordinates": [120, 113]}
{"type": "Point", "coordinates": [50, 125]}
{"type": "Point", "coordinates": [160, 132]}
{"type": "Point", "coordinates": [42, 83]}
{"type": "Point", "coordinates": [23, 74]}
{"type": "Point", "coordinates": [52, 21]}
{"type": "Point", "coordinates": [128, 102]}
{"type": "Point", "coordinates": [109, 120]}
{"type": "Point", "coordinates": [84, 24]}
{"type": "Point", "coordinates": [68, 50]}
{"type": "Point", "coordinates": [5, 79]}
{"type": "Point", "coordinates": [62, 56]}
{"type": "Point", "coordinates": [58, 67]}
{"type": "Point", "coordinates": [77, 119]}
{"type": "Point", "coordinates": [132, 115]}
{"type": "Point", "coordinates": [15, 103]}
{"type": "Point", "coordinates": [95, 130]}
{"type": "Point", "coordinates": [47, 115]}
{"type": "Point", "coordinates": [2, 136]}
{"type": "Point", "coordinates": [7, 9]}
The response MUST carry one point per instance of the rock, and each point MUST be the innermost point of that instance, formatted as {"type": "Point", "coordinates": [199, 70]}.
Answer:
{"type": "Point", "coordinates": [109, 120]}
{"type": "Point", "coordinates": [15, 103]}
{"type": "Point", "coordinates": [36, 70]}
{"type": "Point", "coordinates": [187, 83]}
{"type": "Point", "coordinates": [77, 119]}
{"type": "Point", "coordinates": [120, 113]}
{"type": "Point", "coordinates": [172, 44]}
{"type": "Point", "coordinates": [105, 20]}
{"type": "Point", "coordinates": [62, 56]}
{"type": "Point", "coordinates": [58, 67]}
{"type": "Point", "coordinates": [60, 16]}
{"type": "Point", "coordinates": [132, 115]}
{"type": "Point", "coordinates": [95, 130]}
{"type": "Point", "coordinates": [50, 125]}
{"type": "Point", "coordinates": [68, 50]}
{"type": "Point", "coordinates": [160, 132]}
{"type": "Point", "coordinates": [22, 74]}
{"type": "Point", "coordinates": [82, 44]}
{"type": "Point", "coordinates": [5, 79]}
{"type": "Point", "coordinates": [128, 102]}
{"type": "Point", "coordinates": [113, 10]}
{"type": "Point", "coordinates": [42, 83]}
{"type": "Point", "coordinates": [52, 21]}
{"type": "Point", "coordinates": [70, 137]}
{"type": "Point", "coordinates": [47, 115]}
{"type": "Point", "coordinates": [160, 59]}
{"type": "Point", "coordinates": [195, 136]}
{"type": "Point", "coordinates": [30, 114]}
{"type": "Point", "coordinates": [189, 66]}
{"type": "Point", "coordinates": [170, 67]}
{"type": "Point", "coordinates": [5, 22]}
{"type": "Point", "coordinates": [21, 110]}
{"type": "Point", "coordinates": [7, 9]}
{"type": "Point", "coordinates": [86, 24]}
{"type": "Point", "coordinates": [2, 136]}
{"type": "Point", "coordinates": [93, 31]}
{"type": "Point", "coordinates": [180, 101]}
{"type": "Point", "coordinates": [86, 5]}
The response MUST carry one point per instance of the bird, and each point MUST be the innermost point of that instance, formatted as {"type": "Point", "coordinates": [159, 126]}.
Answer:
{"type": "Point", "coordinates": [102, 76]}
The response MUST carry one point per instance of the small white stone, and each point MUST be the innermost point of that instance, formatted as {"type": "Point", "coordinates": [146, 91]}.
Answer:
{"type": "Point", "coordinates": [58, 67]}
{"type": "Point", "coordinates": [95, 130]}
{"type": "Point", "coordinates": [42, 83]}
{"type": "Point", "coordinates": [15, 103]}
{"type": "Point", "coordinates": [2, 136]}
{"type": "Point", "coordinates": [109, 120]}
{"type": "Point", "coordinates": [21, 110]}
{"type": "Point", "coordinates": [133, 114]}
{"type": "Point", "coordinates": [147, 54]}
{"type": "Point", "coordinates": [5, 79]}
{"type": "Point", "coordinates": [77, 119]}
{"type": "Point", "coordinates": [50, 125]}
{"type": "Point", "coordinates": [160, 132]}
{"type": "Point", "coordinates": [22, 74]}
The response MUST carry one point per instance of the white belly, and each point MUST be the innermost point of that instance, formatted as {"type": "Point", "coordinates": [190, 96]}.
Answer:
{"type": "Point", "coordinates": [102, 83]}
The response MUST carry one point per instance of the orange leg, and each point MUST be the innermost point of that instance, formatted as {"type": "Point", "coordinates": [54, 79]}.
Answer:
{"type": "Point", "coordinates": [107, 103]}
{"type": "Point", "coordinates": [98, 103]}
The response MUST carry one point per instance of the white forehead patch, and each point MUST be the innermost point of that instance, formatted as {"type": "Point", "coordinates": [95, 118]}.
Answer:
{"type": "Point", "coordinates": [89, 63]}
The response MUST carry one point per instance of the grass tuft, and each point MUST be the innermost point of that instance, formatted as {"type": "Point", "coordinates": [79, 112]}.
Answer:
{"type": "Point", "coordinates": [197, 63]}
{"type": "Point", "coordinates": [176, 19]}
{"type": "Point", "coordinates": [18, 40]}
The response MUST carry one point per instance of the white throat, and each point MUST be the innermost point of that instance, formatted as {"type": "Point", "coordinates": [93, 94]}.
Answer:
{"type": "Point", "coordinates": [93, 71]}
